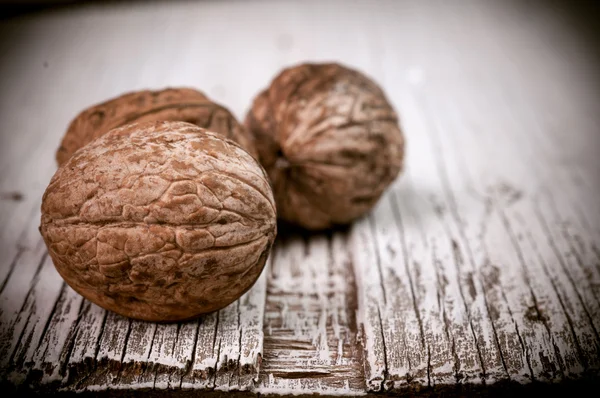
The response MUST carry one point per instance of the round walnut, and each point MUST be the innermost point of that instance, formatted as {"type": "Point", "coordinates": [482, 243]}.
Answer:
{"type": "Point", "coordinates": [172, 104]}
{"type": "Point", "coordinates": [159, 221]}
{"type": "Point", "coordinates": [330, 142]}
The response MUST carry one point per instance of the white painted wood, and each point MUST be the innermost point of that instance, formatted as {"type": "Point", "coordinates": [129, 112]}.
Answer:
{"type": "Point", "coordinates": [480, 263]}
{"type": "Point", "coordinates": [310, 331]}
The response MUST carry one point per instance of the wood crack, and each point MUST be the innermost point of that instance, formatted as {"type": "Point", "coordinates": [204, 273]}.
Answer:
{"type": "Point", "coordinates": [385, 362]}
{"type": "Point", "coordinates": [100, 335]}
{"type": "Point", "coordinates": [125, 342]}
{"type": "Point", "coordinates": [216, 367]}
{"type": "Point", "coordinates": [214, 384]}
{"type": "Point", "coordinates": [241, 330]}
{"type": "Point", "coordinates": [496, 339]}
{"type": "Point", "coordinates": [525, 352]}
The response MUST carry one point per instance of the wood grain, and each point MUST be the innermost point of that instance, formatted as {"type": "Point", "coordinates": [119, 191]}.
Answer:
{"type": "Point", "coordinates": [478, 269]}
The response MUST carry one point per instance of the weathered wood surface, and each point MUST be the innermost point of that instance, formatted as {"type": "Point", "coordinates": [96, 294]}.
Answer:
{"type": "Point", "coordinates": [480, 265]}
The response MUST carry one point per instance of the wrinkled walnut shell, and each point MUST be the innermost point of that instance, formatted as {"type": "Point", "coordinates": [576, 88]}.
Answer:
{"type": "Point", "coordinates": [159, 221]}
{"type": "Point", "coordinates": [330, 142]}
{"type": "Point", "coordinates": [172, 104]}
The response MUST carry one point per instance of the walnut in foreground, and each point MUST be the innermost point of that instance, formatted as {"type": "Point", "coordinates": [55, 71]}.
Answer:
{"type": "Point", "coordinates": [330, 142]}
{"type": "Point", "coordinates": [159, 221]}
{"type": "Point", "coordinates": [172, 104]}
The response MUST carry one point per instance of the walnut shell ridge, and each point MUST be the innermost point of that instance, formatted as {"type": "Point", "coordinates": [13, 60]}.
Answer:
{"type": "Point", "coordinates": [330, 142]}
{"type": "Point", "coordinates": [171, 104]}
{"type": "Point", "coordinates": [159, 221]}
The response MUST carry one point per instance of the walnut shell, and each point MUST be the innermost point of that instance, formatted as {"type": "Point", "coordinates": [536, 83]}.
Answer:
{"type": "Point", "coordinates": [172, 104]}
{"type": "Point", "coordinates": [330, 142]}
{"type": "Point", "coordinates": [159, 221]}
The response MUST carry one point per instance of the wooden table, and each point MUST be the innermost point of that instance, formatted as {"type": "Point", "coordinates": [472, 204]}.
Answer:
{"type": "Point", "coordinates": [479, 268]}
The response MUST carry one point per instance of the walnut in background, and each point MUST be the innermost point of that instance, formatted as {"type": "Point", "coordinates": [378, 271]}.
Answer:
{"type": "Point", "coordinates": [330, 142]}
{"type": "Point", "coordinates": [171, 104]}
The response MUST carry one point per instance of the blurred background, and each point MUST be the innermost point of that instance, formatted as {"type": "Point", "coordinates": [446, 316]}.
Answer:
{"type": "Point", "coordinates": [479, 62]}
{"type": "Point", "coordinates": [485, 64]}
{"type": "Point", "coordinates": [78, 53]}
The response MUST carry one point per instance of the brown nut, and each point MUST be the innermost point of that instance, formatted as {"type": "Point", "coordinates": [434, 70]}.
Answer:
{"type": "Point", "coordinates": [172, 104]}
{"type": "Point", "coordinates": [330, 142]}
{"type": "Point", "coordinates": [159, 221]}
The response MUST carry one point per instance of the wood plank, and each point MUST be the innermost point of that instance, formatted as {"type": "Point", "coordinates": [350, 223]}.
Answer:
{"type": "Point", "coordinates": [430, 281]}
{"type": "Point", "coordinates": [370, 299]}
{"type": "Point", "coordinates": [137, 353]}
{"type": "Point", "coordinates": [547, 309]}
{"type": "Point", "coordinates": [525, 345]}
{"type": "Point", "coordinates": [86, 345]}
{"type": "Point", "coordinates": [544, 357]}
{"type": "Point", "coordinates": [536, 180]}
{"type": "Point", "coordinates": [240, 353]}
{"type": "Point", "coordinates": [475, 218]}
{"type": "Point", "coordinates": [486, 159]}
{"type": "Point", "coordinates": [407, 358]}
{"type": "Point", "coordinates": [310, 331]}
{"type": "Point", "coordinates": [182, 352]}
{"type": "Point", "coordinates": [228, 337]}
{"type": "Point", "coordinates": [15, 292]}
{"type": "Point", "coordinates": [109, 353]}
{"type": "Point", "coordinates": [19, 233]}
{"type": "Point", "coordinates": [33, 320]}
{"type": "Point", "coordinates": [464, 347]}
{"type": "Point", "coordinates": [205, 355]}
{"type": "Point", "coordinates": [54, 349]}
{"type": "Point", "coordinates": [121, 353]}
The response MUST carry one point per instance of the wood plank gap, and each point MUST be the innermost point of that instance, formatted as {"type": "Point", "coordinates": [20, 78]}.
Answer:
{"type": "Point", "coordinates": [217, 357]}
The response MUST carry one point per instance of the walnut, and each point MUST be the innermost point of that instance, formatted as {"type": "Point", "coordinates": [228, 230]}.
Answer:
{"type": "Point", "coordinates": [159, 221]}
{"type": "Point", "coordinates": [172, 104]}
{"type": "Point", "coordinates": [330, 142]}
